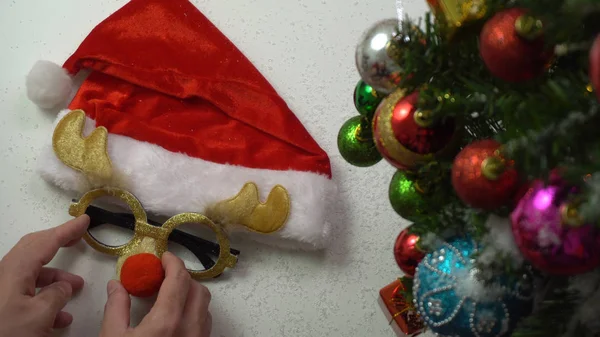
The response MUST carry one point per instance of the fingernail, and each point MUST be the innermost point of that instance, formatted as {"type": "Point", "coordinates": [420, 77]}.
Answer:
{"type": "Point", "coordinates": [112, 287]}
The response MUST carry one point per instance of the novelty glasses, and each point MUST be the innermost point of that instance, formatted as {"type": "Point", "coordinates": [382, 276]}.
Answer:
{"type": "Point", "coordinates": [161, 234]}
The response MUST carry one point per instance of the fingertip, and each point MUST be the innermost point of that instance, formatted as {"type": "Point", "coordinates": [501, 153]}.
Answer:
{"type": "Point", "coordinates": [169, 258]}
{"type": "Point", "coordinates": [84, 218]}
{"type": "Point", "coordinates": [82, 221]}
{"type": "Point", "coordinates": [47, 276]}
{"type": "Point", "coordinates": [71, 231]}
{"type": "Point", "coordinates": [113, 286]}
{"type": "Point", "coordinates": [77, 282]}
{"type": "Point", "coordinates": [62, 320]}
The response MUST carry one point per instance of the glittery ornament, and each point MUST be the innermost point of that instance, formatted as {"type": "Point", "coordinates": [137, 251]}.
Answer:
{"type": "Point", "coordinates": [406, 252]}
{"type": "Point", "coordinates": [408, 198]}
{"type": "Point", "coordinates": [551, 235]}
{"type": "Point", "coordinates": [408, 137]}
{"type": "Point", "coordinates": [512, 46]}
{"type": "Point", "coordinates": [453, 301]}
{"type": "Point", "coordinates": [457, 13]}
{"type": "Point", "coordinates": [355, 145]}
{"type": "Point", "coordinates": [366, 99]}
{"type": "Point", "coordinates": [373, 61]}
{"type": "Point", "coordinates": [595, 66]}
{"type": "Point", "coordinates": [482, 178]}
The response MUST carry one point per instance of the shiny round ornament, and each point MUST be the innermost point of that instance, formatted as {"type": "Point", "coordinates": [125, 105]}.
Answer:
{"type": "Point", "coordinates": [482, 178]}
{"type": "Point", "coordinates": [408, 198]}
{"type": "Point", "coordinates": [355, 147]}
{"type": "Point", "coordinates": [512, 46]}
{"type": "Point", "coordinates": [550, 234]}
{"type": "Point", "coordinates": [373, 61]}
{"type": "Point", "coordinates": [406, 252]}
{"type": "Point", "coordinates": [366, 99]}
{"type": "Point", "coordinates": [407, 137]}
{"type": "Point", "coordinates": [595, 66]}
{"type": "Point", "coordinates": [453, 301]}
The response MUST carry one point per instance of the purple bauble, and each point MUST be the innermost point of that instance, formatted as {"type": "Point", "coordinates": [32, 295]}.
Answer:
{"type": "Point", "coordinates": [544, 237]}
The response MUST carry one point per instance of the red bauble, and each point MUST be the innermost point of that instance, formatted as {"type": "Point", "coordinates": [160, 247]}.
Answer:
{"type": "Point", "coordinates": [506, 54]}
{"type": "Point", "coordinates": [595, 66]}
{"type": "Point", "coordinates": [406, 141]}
{"type": "Point", "coordinates": [482, 178]}
{"type": "Point", "coordinates": [406, 252]}
{"type": "Point", "coordinates": [142, 274]}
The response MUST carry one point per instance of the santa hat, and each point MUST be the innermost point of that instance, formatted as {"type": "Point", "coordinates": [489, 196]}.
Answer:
{"type": "Point", "coordinates": [190, 120]}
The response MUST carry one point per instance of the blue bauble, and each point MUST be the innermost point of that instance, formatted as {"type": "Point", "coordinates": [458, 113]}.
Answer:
{"type": "Point", "coordinates": [454, 302]}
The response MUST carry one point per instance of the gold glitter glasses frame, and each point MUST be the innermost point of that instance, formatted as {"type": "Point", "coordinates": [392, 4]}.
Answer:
{"type": "Point", "coordinates": [160, 234]}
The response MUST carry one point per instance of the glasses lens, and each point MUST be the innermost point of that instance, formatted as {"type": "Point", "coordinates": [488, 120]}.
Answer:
{"type": "Point", "coordinates": [111, 221]}
{"type": "Point", "coordinates": [196, 245]}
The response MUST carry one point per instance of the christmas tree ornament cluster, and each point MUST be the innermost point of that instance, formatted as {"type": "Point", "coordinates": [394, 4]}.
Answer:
{"type": "Point", "coordinates": [550, 233]}
{"type": "Point", "coordinates": [512, 46]}
{"type": "Point", "coordinates": [481, 54]}
{"type": "Point", "coordinates": [453, 301]}
{"type": "Point", "coordinates": [482, 177]}
{"type": "Point", "coordinates": [408, 137]}
{"type": "Point", "coordinates": [407, 253]}
{"type": "Point", "coordinates": [376, 60]}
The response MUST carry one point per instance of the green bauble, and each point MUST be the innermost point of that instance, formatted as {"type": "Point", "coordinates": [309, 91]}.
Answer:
{"type": "Point", "coordinates": [366, 99]}
{"type": "Point", "coordinates": [355, 142]}
{"type": "Point", "coordinates": [406, 196]}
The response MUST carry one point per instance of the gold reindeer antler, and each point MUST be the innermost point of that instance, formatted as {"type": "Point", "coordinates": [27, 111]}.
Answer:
{"type": "Point", "coordinates": [247, 210]}
{"type": "Point", "coordinates": [88, 155]}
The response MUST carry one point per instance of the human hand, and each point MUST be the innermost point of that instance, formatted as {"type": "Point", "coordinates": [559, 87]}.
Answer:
{"type": "Point", "coordinates": [23, 312]}
{"type": "Point", "coordinates": [181, 308]}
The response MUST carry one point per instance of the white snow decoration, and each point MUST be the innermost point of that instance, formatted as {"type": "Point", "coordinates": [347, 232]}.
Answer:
{"type": "Point", "coordinates": [48, 84]}
{"type": "Point", "coordinates": [470, 285]}
{"type": "Point", "coordinates": [430, 240]}
{"type": "Point", "coordinates": [499, 241]}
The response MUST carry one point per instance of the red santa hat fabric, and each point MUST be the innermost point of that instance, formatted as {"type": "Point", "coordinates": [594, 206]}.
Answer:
{"type": "Point", "coordinates": [191, 120]}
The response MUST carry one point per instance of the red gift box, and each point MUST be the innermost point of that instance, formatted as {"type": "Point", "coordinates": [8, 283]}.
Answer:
{"type": "Point", "coordinates": [401, 314]}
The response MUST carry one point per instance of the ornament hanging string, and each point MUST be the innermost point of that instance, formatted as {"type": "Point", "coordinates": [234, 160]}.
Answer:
{"type": "Point", "coordinates": [400, 13]}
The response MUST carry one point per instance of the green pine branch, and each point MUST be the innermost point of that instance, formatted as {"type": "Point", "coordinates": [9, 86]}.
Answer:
{"type": "Point", "coordinates": [545, 123]}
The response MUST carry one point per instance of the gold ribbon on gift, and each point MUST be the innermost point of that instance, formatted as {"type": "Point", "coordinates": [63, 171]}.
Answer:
{"type": "Point", "coordinates": [403, 306]}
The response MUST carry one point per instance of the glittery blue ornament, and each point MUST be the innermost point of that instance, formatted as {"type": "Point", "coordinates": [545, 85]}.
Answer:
{"type": "Point", "coordinates": [452, 301]}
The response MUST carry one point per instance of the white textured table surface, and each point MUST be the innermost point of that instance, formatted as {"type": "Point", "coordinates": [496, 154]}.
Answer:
{"type": "Point", "coordinates": [306, 49]}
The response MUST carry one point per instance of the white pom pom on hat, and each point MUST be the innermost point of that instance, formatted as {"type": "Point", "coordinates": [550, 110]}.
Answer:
{"type": "Point", "coordinates": [48, 84]}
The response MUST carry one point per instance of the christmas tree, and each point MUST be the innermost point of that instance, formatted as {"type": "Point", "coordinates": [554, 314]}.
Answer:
{"type": "Point", "coordinates": [489, 111]}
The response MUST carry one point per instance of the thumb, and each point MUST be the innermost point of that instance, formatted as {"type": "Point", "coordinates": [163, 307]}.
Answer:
{"type": "Point", "coordinates": [116, 311]}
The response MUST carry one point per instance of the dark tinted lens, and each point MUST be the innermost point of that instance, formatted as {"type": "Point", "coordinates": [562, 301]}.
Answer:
{"type": "Point", "coordinates": [111, 221]}
{"type": "Point", "coordinates": [188, 242]}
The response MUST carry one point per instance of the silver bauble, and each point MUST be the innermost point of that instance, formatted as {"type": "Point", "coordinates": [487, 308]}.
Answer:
{"type": "Point", "coordinates": [373, 60]}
